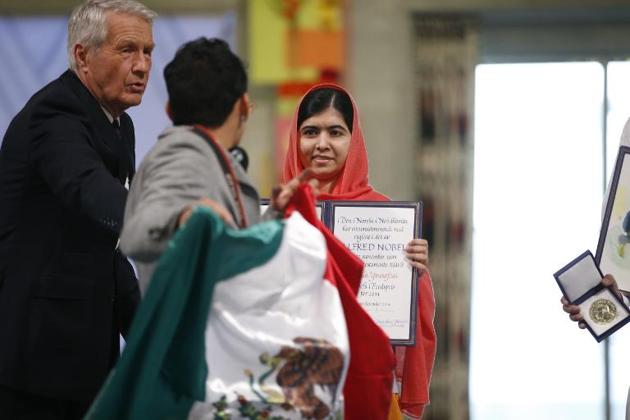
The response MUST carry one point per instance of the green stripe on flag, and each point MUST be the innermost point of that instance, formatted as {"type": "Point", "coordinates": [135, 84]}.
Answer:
{"type": "Point", "coordinates": [162, 371]}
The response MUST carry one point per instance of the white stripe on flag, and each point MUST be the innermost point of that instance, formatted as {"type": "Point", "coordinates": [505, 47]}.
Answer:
{"type": "Point", "coordinates": [276, 338]}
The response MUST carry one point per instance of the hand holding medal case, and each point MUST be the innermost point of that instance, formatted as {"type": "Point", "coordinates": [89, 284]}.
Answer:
{"type": "Point", "coordinates": [603, 311]}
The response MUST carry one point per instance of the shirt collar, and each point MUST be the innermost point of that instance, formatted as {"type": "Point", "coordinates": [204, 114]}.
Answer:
{"type": "Point", "coordinates": [109, 116]}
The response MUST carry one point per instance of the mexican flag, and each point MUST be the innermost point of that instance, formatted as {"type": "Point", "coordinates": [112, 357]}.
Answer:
{"type": "Point", "coordinates": [243, 324]}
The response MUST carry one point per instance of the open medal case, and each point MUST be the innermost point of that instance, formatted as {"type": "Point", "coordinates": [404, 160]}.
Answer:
{"type": "Point", "coordinates": [580, 281]}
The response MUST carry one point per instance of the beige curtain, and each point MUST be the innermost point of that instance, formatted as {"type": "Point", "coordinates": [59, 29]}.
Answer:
{"type": "Point", "coordinates": [445, 63]}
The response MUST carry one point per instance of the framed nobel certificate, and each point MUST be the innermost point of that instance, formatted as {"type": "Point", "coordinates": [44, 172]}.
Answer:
{"type": "Point", "coordinates": [377, 232]}
{"type": "Point", "coordinates": [613, 247]}
{"type": "Point", "coordinates": [603, 311]}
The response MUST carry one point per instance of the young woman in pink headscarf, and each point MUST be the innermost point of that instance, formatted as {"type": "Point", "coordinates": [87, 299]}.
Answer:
{"type": "Point", "coordinates": [326, 137]}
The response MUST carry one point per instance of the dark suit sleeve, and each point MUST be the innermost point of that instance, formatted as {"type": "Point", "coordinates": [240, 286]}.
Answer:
{"type": "Point", "coordinates": [63, 154]}
{"type": "Point", "coordinates": [127, 293]}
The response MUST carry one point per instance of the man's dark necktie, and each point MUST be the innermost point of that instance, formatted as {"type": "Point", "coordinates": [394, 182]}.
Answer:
{"type": "Point", "coordinates": [121, 150]}
{"type": "Point", "coordinates": [116, 125]}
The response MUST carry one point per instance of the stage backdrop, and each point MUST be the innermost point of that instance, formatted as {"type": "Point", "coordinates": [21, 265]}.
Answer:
{"type": "Point", "coordinates": [33, 51]}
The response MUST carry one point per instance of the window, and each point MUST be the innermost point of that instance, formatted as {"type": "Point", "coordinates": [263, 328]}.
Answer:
{"type": "Point", "coordinates": [618, 111]}
{"type": "Point", "coordinates": [538, 184]}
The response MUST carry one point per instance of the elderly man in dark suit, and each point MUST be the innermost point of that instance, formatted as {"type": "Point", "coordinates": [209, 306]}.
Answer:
{"type": "Point", "coordinates": [66, 292]}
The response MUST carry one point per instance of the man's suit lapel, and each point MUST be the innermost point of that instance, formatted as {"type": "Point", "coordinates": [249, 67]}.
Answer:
{"type": "Point", "coordinates": [107, 135]}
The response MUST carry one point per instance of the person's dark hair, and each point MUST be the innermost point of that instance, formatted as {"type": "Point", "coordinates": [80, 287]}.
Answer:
{"type": "Point", "coordinates": [203, 81]}
{"type": "Point", "coordinates": [319, 100]}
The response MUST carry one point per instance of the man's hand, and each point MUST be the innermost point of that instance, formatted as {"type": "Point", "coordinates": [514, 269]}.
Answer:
{"type": "Point", "coordinates": [574, 310]}
{"type": "Point", "coordinates": [281, 194]}
{"type": "Point", "coordinates": [212, 205]}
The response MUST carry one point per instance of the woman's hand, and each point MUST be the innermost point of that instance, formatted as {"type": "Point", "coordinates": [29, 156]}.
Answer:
{"type": "Point", "coordinates": [574, 310]}
{"type": "Point", "coordinates": [417, 252]}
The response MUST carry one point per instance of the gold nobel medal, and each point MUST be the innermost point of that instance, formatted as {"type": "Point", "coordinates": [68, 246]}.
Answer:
{"type": "Point", "coordinates": [602, 311]}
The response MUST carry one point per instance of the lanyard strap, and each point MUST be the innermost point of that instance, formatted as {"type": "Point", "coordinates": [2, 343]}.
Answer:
{"type": "Point", "coordinates": [228, 170]}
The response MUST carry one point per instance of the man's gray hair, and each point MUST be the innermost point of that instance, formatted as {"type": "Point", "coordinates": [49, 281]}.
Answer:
{"type": "Point", "coordinates": [87, 24]}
